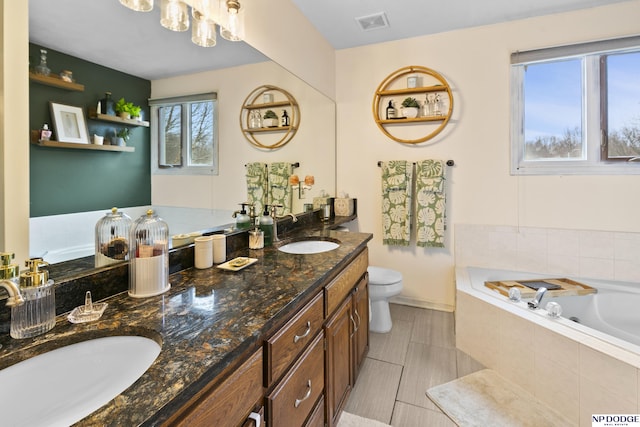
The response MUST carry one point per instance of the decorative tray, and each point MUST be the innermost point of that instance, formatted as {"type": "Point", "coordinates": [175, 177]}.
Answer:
{"type": "Point", "coordinates": [237, 264]}
{"type": "Point", "coordinates": [556, 287]}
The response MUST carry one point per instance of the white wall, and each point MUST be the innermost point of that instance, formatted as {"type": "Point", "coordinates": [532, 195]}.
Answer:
{"type": "Point", "coordinates": [481, 191]}
{"type": "Point", "coordinates": [313, 146]}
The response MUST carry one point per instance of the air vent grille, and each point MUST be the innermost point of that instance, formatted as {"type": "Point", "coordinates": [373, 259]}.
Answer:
{"type": "Point", "coordinates": [373, 22]}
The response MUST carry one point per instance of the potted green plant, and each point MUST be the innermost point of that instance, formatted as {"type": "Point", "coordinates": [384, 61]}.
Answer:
{"type": "Point", "coordinates": [410, 107]}
{"type": "Point", "coordinates": [126, 110]}
{"type": "Point", "coordinates": [122, 137]}
{"type": "Point", "coordinates": [134, 110]}
{"type": "Point", "coordinates": [270, 119]}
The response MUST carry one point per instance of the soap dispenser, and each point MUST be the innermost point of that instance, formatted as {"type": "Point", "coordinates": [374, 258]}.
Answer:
{"type": "Point", "coordinates": [266, 225]}
{"type": "Point", "coordinates": [243, 220]}
{"type": "Point", "coordinates": [8, 271]}
{"type": "Point", "coordinates": [38, 313]}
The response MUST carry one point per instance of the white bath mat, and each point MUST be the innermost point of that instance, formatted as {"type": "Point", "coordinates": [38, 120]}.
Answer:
{"type": "Point", "coordinates": [351, 420]}
{"type": "Point", "coordinates": [484, 398]}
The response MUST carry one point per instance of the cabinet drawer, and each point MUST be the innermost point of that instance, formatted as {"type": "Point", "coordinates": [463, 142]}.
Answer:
{"type": "Point", "coordinates": [339, 288]}
{"type": "Point", "coordinates": [231, 402]}
{"type": "Point", "coordinates": [292, 338]}
{"type": "Point", "coordinates": [293, 399]}
{"type": "Point", "coordinates": [316, 419]}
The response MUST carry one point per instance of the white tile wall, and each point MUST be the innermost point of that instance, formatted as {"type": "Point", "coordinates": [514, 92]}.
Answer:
{"type": "Point", "coordinates": [584, 253]}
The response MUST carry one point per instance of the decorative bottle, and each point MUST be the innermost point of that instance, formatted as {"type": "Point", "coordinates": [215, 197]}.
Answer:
{"type": "Point", "coordinates": [45, 133]}
{"type": "Point", "coordinates": [106, 105]}
{"type": "Point", "coordinates": [42, 68]}
{"type": "Point", "coordinates": [392, 113]}
{"type": "Point", "coordinates": [285, 118]}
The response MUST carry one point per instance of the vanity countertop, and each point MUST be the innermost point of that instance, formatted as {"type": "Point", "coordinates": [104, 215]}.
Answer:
{"type": "Point", "coordinates": [206, 322]}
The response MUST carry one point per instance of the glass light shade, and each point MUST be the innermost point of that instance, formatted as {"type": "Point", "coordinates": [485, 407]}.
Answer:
{"type": "Point", "coordinates": [138, 5]}
{"type": "Point", "coordinates": [174, 15]}
{"type": "Point", "coordinates": [233, 27]}
{"type": "Point", "coordinates": [203, 32]}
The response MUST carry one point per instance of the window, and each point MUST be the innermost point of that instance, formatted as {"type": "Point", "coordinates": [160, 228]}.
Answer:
{"type": "Point", "coordinates": [576, 109]}
{"type": "Point", "coordinates": [184, 135]}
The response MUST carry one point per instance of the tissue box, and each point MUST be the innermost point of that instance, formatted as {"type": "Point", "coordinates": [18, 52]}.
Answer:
{"type": "Point", "coordinates": [343, 206]}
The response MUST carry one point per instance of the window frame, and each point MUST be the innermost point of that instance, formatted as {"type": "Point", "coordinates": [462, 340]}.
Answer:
{"type": "Point", "coordinates": [185, 168]}
{"type": "Point", "coordinates": [593, 137]}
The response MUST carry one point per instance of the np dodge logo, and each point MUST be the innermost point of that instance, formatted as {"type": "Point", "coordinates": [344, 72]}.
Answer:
{"type": "Point", "coordinates": [615, 420]}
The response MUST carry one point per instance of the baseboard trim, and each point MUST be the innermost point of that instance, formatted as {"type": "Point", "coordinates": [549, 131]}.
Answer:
{"type": "Point", "coordinates": [421, 303]}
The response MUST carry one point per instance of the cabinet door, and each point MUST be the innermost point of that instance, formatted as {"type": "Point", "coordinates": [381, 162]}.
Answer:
{"type": "Point", "coordinates": [338, 331]}
{"type": "Point", "coordinates": [361, 317]}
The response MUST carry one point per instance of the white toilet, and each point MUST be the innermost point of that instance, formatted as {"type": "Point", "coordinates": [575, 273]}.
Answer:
{"type": "Point", "coordinates": [383, 284]}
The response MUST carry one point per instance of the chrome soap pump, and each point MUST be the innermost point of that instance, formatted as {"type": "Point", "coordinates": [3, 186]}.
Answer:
{"type": "Point", "coordinates": [38, 313]}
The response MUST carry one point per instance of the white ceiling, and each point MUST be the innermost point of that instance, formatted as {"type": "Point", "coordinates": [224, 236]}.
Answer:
{"type": "Point", "coordinates": [104, 32]}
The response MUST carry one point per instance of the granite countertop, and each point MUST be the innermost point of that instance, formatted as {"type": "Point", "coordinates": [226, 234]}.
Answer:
{"type": "Point", "coordinates": [206, 322]}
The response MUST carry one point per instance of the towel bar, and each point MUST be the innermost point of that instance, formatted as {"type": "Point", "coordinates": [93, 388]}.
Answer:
{"type": "Point", "coordinates": [448, 162]}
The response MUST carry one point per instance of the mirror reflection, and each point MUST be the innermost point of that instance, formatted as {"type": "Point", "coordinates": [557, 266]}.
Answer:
{"type": "Point", "coordinates": [191, 204]}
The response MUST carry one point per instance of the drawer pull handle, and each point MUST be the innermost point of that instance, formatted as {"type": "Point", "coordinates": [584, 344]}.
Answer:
{"type": "Point", "coordinates": [299, 337]}
{"type": "Point", "coordinates": [355, 328]}
{"type": "Point", "coordinates": [306, 396]}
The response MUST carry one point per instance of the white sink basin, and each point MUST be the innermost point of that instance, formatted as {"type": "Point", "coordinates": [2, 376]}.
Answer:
{"type": "Point", "coordinates": [62, 386]}
{"type": "Point", "coordinates": [309, 247]}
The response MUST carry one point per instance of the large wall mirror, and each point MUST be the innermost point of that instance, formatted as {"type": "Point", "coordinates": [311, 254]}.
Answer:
{"type": "Point", "coordinates": [210, 198]}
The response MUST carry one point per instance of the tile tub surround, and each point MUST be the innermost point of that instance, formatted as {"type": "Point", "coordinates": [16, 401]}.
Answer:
{"type": "Point", "coordinates": [607, 255]}
{"type": "Point", "coordinates": [575, 374]}
{"type": "Point", "coordinates": [207, 322]}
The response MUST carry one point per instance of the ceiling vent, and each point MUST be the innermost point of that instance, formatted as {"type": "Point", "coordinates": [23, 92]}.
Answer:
{"type": "Point", "coordinates": [373, 22]}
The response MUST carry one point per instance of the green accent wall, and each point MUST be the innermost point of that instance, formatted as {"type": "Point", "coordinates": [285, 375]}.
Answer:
{"type": "Point", "coordinates": [66, 180]}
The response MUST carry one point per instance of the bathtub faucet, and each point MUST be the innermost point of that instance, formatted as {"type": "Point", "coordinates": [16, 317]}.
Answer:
{"type": "Point", "coordinates": [535, 303]}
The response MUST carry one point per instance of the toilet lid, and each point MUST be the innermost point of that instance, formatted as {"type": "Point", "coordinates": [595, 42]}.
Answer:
{"type": "Point", "coordinates": [383, 276]}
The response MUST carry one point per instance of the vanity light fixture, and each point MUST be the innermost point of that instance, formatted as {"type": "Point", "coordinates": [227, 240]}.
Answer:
{"type": "Point", "coordinates": [207, 14]}
{"type": "Point", "coordinates": [174, 15]}
{"type": "Point", "coordinates": [296, 184]}
{"type": "Point", "coordinates": [204, 30]}
{"type": "Point", "coordinates": [234, 28]}
{"type": "Point", "coordinates": [138, 5]}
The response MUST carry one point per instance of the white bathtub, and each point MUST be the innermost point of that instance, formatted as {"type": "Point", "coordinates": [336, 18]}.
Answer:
{"type": "Point", "coordinates": [611, 314]}
{"type": "Point", "coordinates": [578, 369]}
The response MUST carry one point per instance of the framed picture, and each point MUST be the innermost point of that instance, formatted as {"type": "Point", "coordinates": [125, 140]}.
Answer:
{"type": "Point", "coordinates": [69, 123]}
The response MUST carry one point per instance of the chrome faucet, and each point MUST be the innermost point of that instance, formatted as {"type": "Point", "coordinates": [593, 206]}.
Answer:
{"type": "Point", "coordinates": [535, 303]}
{"type": "Point", "coordinates": [274, 209]}
{"type": "Point", "coordinates": [15, 298]}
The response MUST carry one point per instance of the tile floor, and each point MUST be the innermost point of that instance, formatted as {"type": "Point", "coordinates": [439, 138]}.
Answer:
{"type": "Point", "coordinates": [418, 353]}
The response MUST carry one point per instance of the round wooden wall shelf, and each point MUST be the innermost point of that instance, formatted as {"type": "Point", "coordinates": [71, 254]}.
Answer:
{"type": "Point", "coordinates": [396, 87]}
{"type": "Point", "coordinates": [263, 136]}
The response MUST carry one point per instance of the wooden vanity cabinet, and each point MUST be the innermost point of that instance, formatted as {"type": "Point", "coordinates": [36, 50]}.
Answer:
{"type": "Point", "coordinates": [230, 403]}
{"type": "Point", "coordinates": [360, 339]}
{"type": "Point", "coordinates": [347, 333]}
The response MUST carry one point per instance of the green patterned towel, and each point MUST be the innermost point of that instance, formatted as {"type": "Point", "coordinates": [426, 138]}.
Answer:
{"type": "Point", "coordinates": [257, 185]}
{"type": "Point", "coordinates": [279, 189]}
{"type": "Point", "coordinates": [430, 203]}
{"type": "Point", "coordinates": [397, 176]}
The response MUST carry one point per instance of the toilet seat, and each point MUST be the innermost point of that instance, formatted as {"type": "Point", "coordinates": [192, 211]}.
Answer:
{"type": "Point", "coordinates": [383, 276]}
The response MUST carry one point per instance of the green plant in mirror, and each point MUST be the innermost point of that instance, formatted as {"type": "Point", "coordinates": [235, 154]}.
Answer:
{"type": "Point", "coordinates": [124, 134]}
{"type": "Point", "coordinates": [269, 114]}
{"type": "Point", "coordinates": [122, 106]}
